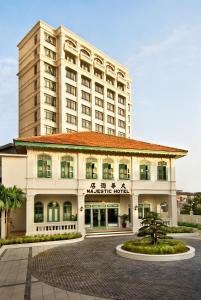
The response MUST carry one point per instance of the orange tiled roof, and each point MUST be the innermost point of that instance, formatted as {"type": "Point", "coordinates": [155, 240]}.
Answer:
{"type": "Point", "coordinates": [95, 139]}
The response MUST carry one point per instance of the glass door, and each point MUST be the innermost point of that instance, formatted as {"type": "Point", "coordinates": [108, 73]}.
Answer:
{"type": "Point", "coordinates": [95, 217]}
{"type": "Point", "coordinates": [102, 219]}
{"type": "Point", "coordinates": [112, 216]}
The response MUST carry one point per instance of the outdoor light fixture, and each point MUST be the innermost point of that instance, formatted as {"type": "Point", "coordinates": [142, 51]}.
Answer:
{"type": "Point", "coordinates": [81, 208]}
{"type": "Point", "coordinates": [136, 207]}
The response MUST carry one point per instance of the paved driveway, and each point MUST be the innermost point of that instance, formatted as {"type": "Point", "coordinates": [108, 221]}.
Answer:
{"type": "Point", "coordinates": [92, 268]}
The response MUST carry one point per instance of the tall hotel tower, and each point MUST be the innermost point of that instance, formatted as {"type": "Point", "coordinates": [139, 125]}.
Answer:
{"type": "Point", "coordinates": [67, 85]}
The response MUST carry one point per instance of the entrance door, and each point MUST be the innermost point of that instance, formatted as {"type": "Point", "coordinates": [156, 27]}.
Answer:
{"type": "Point", "coordinates": [95, 217]}
{"type": "Point", "coordinates": [99, 219]}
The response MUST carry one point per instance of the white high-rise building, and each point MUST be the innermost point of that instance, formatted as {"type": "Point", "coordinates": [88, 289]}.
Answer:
{"type": "Point", "coordinates": [67, 85]}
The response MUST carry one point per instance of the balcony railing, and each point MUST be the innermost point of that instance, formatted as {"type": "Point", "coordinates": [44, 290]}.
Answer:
{"type": "Point", "coordinates": [56, 227]}
{"type": "Point", "coordinates": [70, 49]}
{"type": "Point", "coordinates": [85, 57]}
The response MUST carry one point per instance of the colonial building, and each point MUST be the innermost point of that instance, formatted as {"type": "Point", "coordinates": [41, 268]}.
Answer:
{"type": "Point", "coordinates": [67, 85]}
{"type": "Point", "coordinates": [84, 182]}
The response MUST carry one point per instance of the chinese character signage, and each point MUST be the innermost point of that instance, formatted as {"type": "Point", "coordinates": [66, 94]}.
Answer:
{"type": "Point", "coordinates": [107, 188]}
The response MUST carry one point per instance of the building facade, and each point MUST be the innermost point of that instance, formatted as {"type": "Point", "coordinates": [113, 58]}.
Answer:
{"type": "Point", "coordinates": [84, 182]}
{"type": "Point", "coordinates": [67, 85]}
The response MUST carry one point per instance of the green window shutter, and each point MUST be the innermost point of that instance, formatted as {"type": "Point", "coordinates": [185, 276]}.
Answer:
{"type": "Point", "coordinates": [63, 169]}
{"type": "Point", "coordinates": [105, 170]}
{"type": "Point", "coordinates": [40, 168]}
{"type": "Point", "coordinates": [142, 172]}
{"type": "Point", "coordinates": [88, 170]}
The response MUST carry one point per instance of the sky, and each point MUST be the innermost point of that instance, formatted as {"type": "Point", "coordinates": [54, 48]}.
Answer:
{"type": "Point", "coordinates": [159, 41]}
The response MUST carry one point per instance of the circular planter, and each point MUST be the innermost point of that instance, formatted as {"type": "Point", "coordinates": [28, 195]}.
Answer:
{"type": "Point", "coordinates": [155, 257]}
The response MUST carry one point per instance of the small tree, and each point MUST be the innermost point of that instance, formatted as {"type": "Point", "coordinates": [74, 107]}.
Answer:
{"type": "Point", "coordinates": [11, 198]}
{"type": "Point", "coordinates": [153, 227]}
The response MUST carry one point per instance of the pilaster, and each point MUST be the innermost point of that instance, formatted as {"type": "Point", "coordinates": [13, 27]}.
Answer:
{"type": "Point", "coordinates": [29, 214]}
{"type": "Point", "coordinates": [81, 214]}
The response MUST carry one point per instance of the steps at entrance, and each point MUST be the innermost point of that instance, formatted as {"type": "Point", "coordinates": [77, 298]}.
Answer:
{"type": "Point", "coordinates": [108, 233]}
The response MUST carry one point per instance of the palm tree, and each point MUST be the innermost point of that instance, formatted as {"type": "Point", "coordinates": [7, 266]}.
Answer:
{"type": "Point", "coordinates": [153, 227]}
{"type": "Point", "coordinates": [11, 198]}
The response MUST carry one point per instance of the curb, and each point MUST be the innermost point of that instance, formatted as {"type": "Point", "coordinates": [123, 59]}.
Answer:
{"type": "Point", "coordinates": [155, 257]}
{"type": "Point", "coordinates": [39, 244]}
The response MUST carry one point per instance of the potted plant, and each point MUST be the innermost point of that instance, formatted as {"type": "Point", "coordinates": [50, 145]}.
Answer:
{"type": "Point", "coordinates": [124, 219]}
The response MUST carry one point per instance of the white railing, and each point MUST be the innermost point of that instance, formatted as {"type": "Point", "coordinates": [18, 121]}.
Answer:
{"type": "Point", "coordinates": [57, 227]}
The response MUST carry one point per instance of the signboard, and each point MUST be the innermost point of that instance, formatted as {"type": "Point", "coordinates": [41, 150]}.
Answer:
{"type": "Point", "coordinates": [107, 188]}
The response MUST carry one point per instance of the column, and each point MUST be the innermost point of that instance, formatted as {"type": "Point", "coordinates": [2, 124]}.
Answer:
{"type": "Point", "coordinates": [173, 208]}
{"type": "Point", "coordinates": [29, 214]}
{"type": "Point", "coordinates": [81, 214]}
{"type": "Point", "coordinates": [134, 213]}
{"type": "Point", "coordinates": [3, 225]}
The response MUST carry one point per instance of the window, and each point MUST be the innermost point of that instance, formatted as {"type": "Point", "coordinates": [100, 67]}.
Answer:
{"type": "Point", "coordinates": [71, 74]}
{"type": "Point", "coordinates": [129, 118]}
{"type": "Point", "coordinates": [86, 81]}
{"type": "Point", "coordinates": [120, 74]}
{"type": "Point", "coordinates": [71, 119]}
{"type": "Point", "coordinates": [86, 124]}
{"type": "Point", "coordinates": [44, 166]}
{"type": "Point", "coordinates": [110, 119]}
{"type": "Point", "coordinates": [71, 104]}
{"type": "Point", "coordinates": [109, 67]}
{"type": "Point", "coordinates": [49, 53]}
{"type": "Point", "coordinates": [35, 85]}
{"type": "Point", "coordinates": [86, 110]}
{"type": "Point", "coordinates": [50, 39]}
{"type": "Point", "coordinates": [162, 170]}
{"type": "Point", "coordinates": [35, 53]}
{"type": "Point", "coordinates": [98, 128]}
{"type": "Point", "coordinates": [110, 94]}
{"type": "Point", "coordinates": [68, 130]}
{"type": "Point", "coordinates": [70, 57]}
{"type": "Point", "coordinates": [121, 111]}
{"type": "Point", "coordinates": [110, 80]}
{"type": "Point", "coordinates": [38, 212]}
{"type": "Point", "coordinates": [70, 89]}
{"type": "Point", "coordinates": [108, 169]}
{"type": "Point", "coordinates": [122, 134]}
{"type": "Point", "coordinates": [71, 44]}
{"type": "Point", "coordinates": [85, 66]}
{"type": "Point", "coordinates": [91, 168]}
{"type": "Point", "coordinates": [129, 107]}
{"type": "Point", "coordinates": [49, 84]}
{"type": "Point", "coordinates": [35, 131]}
{"type": "Point", "coordinates": [67, 167]}
{"type": "Point", "coordinates": [121, 99]}
{"type": "Point", "coordinates": [67, 211]}
{"type": "Point", "coordinates": [120, 86]}
{"type": "Point", "coordinates": [121, 123]}
{"type": "Point", "coordinates": [110, 106]}
{"type": "Point", "coordinates": [98, 73]}
{"type": "Point", "coordinates": [35, 69]}
{"type": "Point", "coordinates": [50, 100]}
{"type": "Point", "coordinates": [99, 88]}
{"type": "Point", "coordinates": [35, 116]}
{"type": "Point", "coordinates": [145, 171]}
{"type": "Point", "coordinates": [85, 52]}
{"type": "Point", "coordinates": [35, 100]}
{"type": "Point", "coordinates": [99, 115]}
{"type": "Point", "coordinates": [35, 39]}
{"type": "Point", "coordinates": [143, 210]}
{"type": "Point", "coordinates": [50, 115]}
{"type": "Point", "coordinates": [49, 130]}
{"type": "Point", "coordinates": [110, 131]}
{"type": "Point", "coordinates": [98, 102]}
{"type": "Point", "coordinates": [86, 96]}
{"type": "Point", "coordinates": [50, 69]}
{"type": "Point", "coordinates": [98, 60]}
{"type": "Point", "coordinates": [53, 212]}
{"type": "Point", "coordinates": [124, 171]}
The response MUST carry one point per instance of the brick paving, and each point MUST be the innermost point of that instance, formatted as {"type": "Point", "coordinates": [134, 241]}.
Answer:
{"type": "Point", "coordinates": [92, 268]}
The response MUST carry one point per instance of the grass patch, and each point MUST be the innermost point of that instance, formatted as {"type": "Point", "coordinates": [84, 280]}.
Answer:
{"type": "Point", "coordinates": [198, 226]}
{"type": "Point", "coordinates": [39, 238]}
{"type": "Point", "coordinates": [166, 246]}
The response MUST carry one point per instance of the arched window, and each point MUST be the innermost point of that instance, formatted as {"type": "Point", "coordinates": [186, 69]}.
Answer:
{"type": "Point", "coordinates": [162, 170]}
{"type": "Point", "coordinates": [85, 52]}
{"type": "Point", "coordinates": [144, 170]}
{"type": "Point", "coordinates": [108, 169]}
{"type": "Point", "coordinates": [91, 168]}
{"type": "Point", "coordinates": [124, 170]}
{"type": "Point", "coordinates": [120, 74]}
{"type": "Point", "coordinates": [67, 211]}
{"type": "Point", "coordinates": [109, 67]}
{"type": "Point", "coordinates": [71, 44]}
{"type": "Point", "coordinates": [53, 212]}
{"type": "Point", "coordinates": [98, 60]}
{"type": "Point", "coordinates": [38, 212]}
{"type": "Point", "coordinates": [67, 167]}
{"type": "Point", "coordinates": [44, 166]}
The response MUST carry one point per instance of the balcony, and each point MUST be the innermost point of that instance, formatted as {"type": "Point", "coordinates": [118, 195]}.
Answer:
{"type": "Point", "coordinates": [70, 49]}
{"type": "Point", "coordinates": [121, 79]}
{"type": "Point", "coordinates": [55, 227]}
{"type": "Point", "coordinates": [85, 58]}
{"type": "Point", "coordinates": [110, 73]}
{"type": "Point", "coordinates": [99, 66]}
